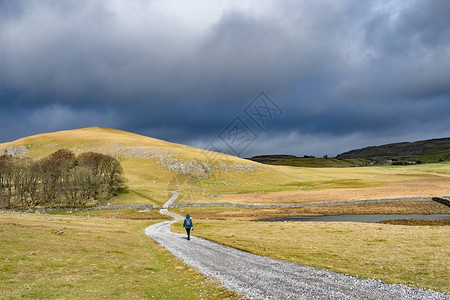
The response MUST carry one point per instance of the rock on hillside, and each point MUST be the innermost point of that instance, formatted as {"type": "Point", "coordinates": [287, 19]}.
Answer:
{"type": "Point", "coordinates": [14, 150]}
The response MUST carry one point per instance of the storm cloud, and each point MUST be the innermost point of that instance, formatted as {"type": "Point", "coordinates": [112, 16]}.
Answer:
{"type": "Point", "coordinates": [345, 73]}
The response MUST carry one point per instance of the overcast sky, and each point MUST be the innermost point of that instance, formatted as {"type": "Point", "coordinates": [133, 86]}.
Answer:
{"type": "Point", "coordinates": [339, 74]}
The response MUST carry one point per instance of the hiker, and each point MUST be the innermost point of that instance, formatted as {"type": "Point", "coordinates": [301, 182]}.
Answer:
{"type": "Point", "coordinates": [188, 225]}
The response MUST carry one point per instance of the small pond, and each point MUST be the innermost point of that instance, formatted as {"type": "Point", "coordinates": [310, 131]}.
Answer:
{"type": "Point", "coordinates": [356, 218]}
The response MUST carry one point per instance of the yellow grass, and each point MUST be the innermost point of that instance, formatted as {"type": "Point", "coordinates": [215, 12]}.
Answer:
{"type": "Point", "coordinates": [66, 257]}
{"type": "Point", "coordinates": [413, 255]}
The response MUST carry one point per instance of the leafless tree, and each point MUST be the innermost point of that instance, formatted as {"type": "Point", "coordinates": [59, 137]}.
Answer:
{"type": "Point", "coordinates": [60, 178]}
{"type": "Point", "coordinates": [6, 180]}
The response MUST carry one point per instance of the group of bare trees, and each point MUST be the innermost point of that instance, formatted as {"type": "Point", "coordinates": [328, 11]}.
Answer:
{"type": "Point", "coordinates": [60, 179]}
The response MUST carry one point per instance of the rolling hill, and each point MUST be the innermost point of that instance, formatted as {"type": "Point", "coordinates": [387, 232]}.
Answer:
{"type": "Point", "coordinates": [437, 148]}
{"type": "Point", "coordinates": [152, 167]}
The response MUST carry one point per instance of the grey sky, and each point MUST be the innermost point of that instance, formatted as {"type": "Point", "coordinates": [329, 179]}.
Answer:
{"type": "Point", "coordinates": [346, 73]}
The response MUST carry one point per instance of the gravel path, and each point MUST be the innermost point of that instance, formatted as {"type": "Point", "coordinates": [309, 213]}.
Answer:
{"type": "Point", "coordinates": [258, 277]}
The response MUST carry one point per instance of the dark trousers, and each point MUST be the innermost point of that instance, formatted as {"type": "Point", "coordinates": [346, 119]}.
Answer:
{"type": "Point", "coordinates": [188, 231]}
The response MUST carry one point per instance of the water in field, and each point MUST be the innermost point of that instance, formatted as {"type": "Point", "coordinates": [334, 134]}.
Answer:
{"type": "Point", "coordinates": [358, 218]}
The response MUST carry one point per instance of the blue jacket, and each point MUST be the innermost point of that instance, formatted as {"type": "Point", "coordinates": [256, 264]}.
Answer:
{"type": "Point", "coordinates": [188, 217]}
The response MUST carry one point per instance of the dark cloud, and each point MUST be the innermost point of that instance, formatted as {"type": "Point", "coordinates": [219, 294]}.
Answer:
{"type": "Point", "coordinates": [346, 73]}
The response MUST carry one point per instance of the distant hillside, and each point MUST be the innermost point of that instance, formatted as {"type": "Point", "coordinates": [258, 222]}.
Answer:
{"type": "Point", "coordinates": [429, 151]}
{"type": "Point", "coordinates": [427, 147]}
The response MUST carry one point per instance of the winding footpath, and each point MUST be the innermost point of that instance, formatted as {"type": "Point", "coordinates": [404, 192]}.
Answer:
{"type": "Point", "coordinates": [258, 277]}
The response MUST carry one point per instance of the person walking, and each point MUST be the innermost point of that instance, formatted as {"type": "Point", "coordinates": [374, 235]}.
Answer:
{"type": "Point", "coordinates": [188, 225]}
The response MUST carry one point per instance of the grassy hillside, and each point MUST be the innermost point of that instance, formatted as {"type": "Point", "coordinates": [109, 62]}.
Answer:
{"type": "Point", "coordinates": [431, 147]}
{"type": "Point", "coordinates": [153, 168]}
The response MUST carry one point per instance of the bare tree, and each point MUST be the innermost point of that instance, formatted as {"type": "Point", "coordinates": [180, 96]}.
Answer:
{"type": "Point", "coordinates": [53, 169]}
{"type": "Point", "coordinates": [6, 179]}
{"type": "Point", "coordinates": [111, 171]}
{"type": "Point", "coordinates": [33, 184]}
{"type": "Point", "coordinates": [20, 180]}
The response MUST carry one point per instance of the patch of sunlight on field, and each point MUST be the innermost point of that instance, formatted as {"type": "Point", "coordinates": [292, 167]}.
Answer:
{"type": "Point", "coordinates": [67, 257]}
{"type": "Point", "coordinates": [413, 255]}
{"type": "Point", "coordinates": [348, 184]}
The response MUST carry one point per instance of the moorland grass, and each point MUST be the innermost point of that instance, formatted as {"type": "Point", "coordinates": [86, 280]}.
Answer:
{"type": "Point", "coordinates": [384, 188]}
{"type": "Point", "coordinates": [131, 214]}
{"type": "Point", "coordinates": [68, 257]}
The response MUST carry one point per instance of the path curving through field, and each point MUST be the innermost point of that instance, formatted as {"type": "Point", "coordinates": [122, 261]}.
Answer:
{"type": "Point", "coordinates": [259, 277]}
